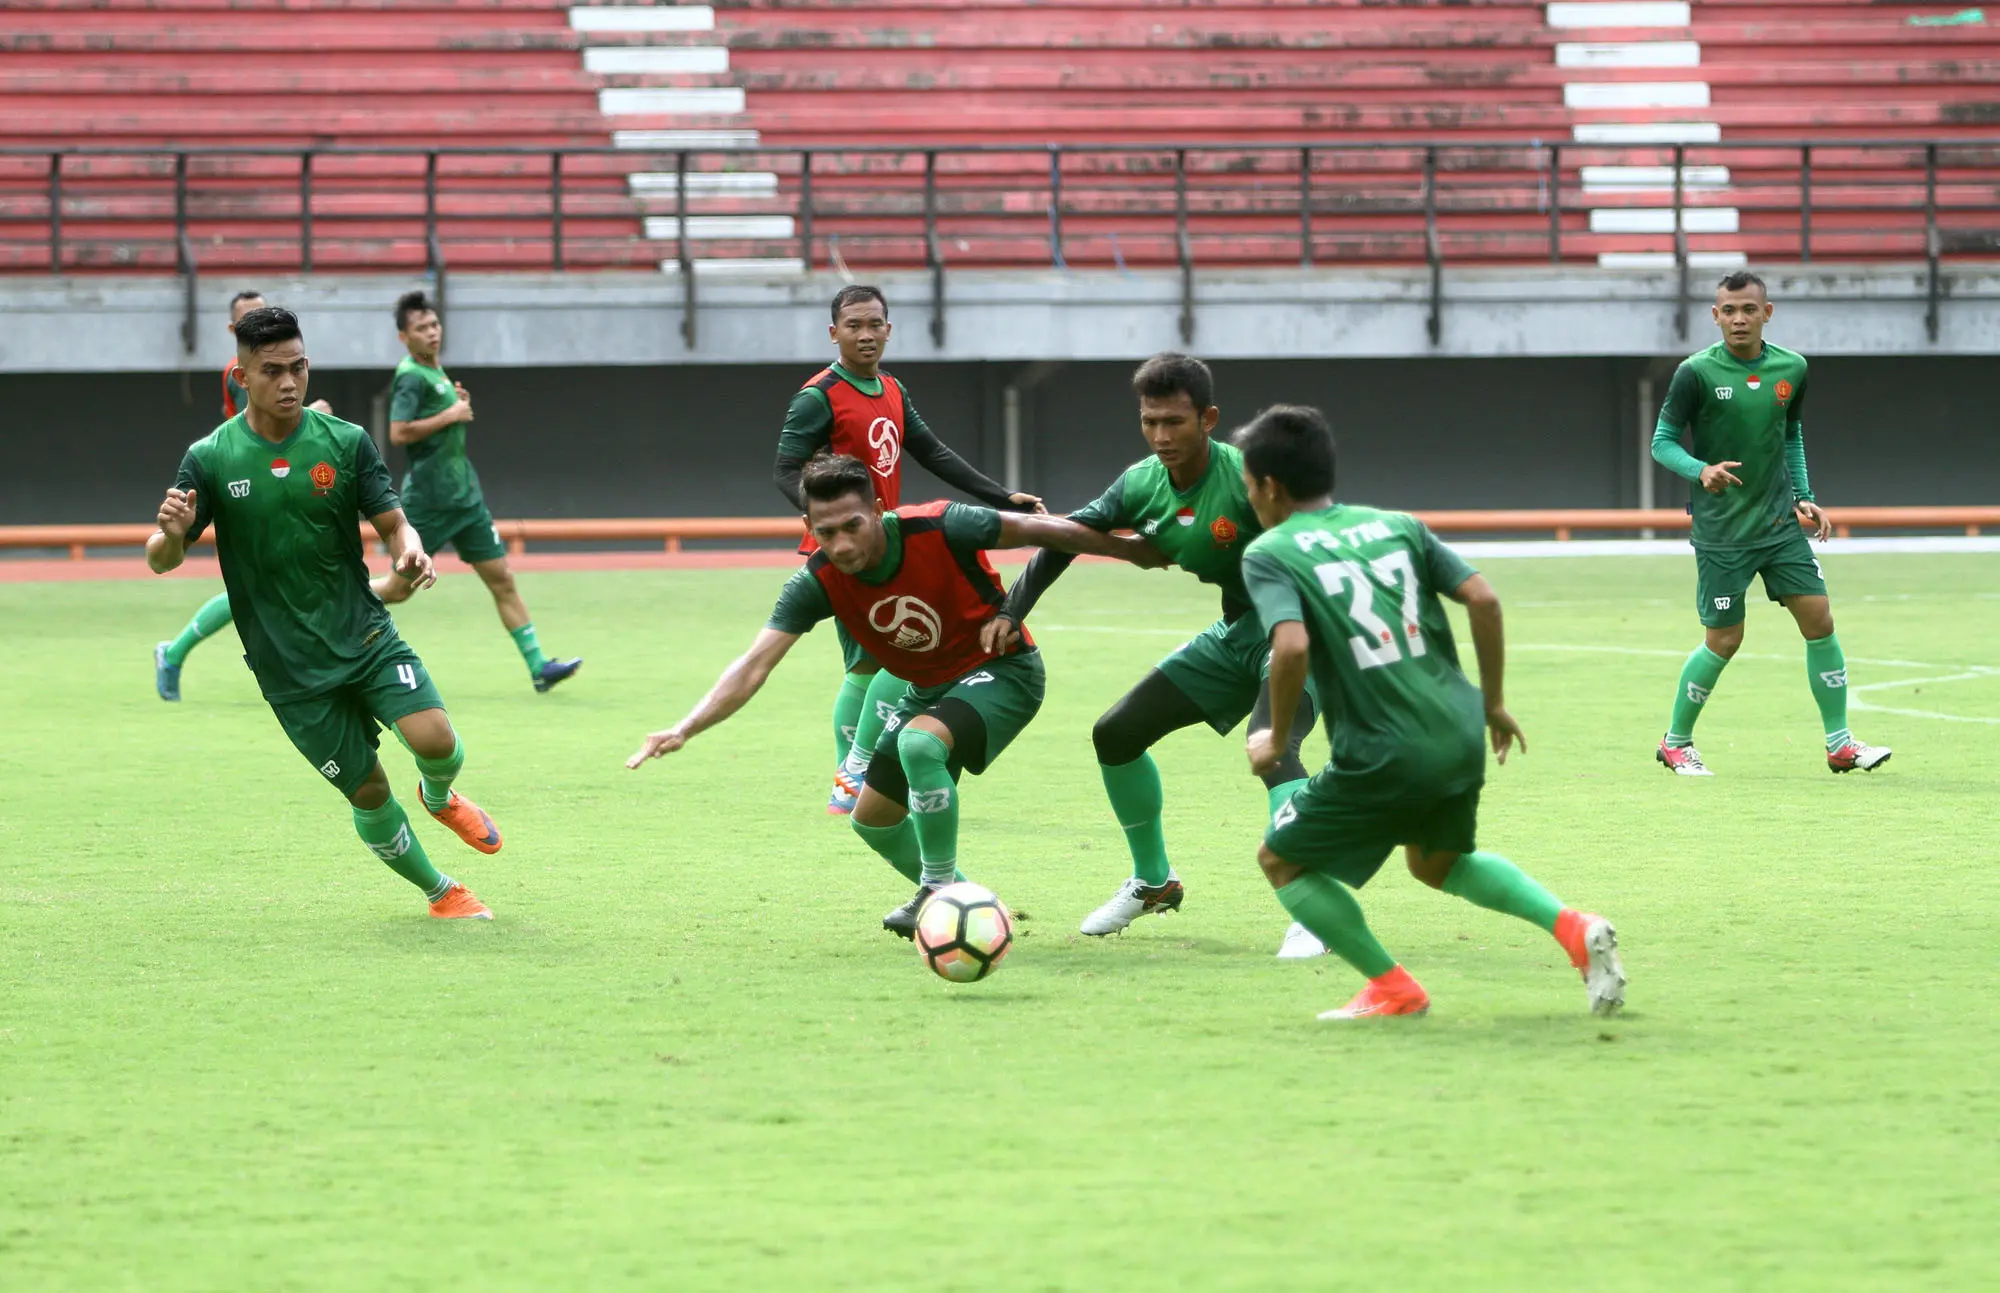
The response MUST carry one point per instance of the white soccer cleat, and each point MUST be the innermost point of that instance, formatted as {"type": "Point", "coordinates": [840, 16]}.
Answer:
{"type": "Point", "coordinates": [1603, 976]}
{"type": "Point", "coordinates": [1855, 755]}
{"type": "Point", "coordinates": [1135, 898]}
{"type": "Point", "coordinates": [1682, 760]}
{"type": "Point", "coordinates": [1300, 944]}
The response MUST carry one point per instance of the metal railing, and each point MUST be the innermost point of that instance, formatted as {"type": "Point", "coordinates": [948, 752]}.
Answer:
{"type": "Point", "coordinates": [1178, 207]}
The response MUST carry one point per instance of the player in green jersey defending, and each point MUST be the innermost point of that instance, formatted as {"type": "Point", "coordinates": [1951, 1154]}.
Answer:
{"type": "Point", "coordinates": [168, 657]}
{"type": "Point", "coordinates": [428, 413]}
{"type": "Point", "coordinates": [1349, 596]}
{"type": "Point", "coordinates": [1743, 400]}
{"type": "Point", "coordinates": [1188, 500]}
{"type": "Point", "coordinates": [282, 484]}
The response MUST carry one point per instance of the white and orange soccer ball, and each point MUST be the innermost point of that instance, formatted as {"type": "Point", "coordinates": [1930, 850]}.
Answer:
{"type": "Point", "coordinates": [964, 932]}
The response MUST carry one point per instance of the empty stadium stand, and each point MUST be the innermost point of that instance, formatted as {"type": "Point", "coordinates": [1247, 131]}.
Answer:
{"type": "Point", "coordinates": [332, 134]}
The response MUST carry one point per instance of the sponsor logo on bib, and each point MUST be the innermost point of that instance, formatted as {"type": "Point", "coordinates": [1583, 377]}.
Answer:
{"type": "Point", "coordinates": [280, 468]}
{"type": "Point", "coordinates": [908, 622]}
{"type": "Point", "coordinates": [886, 439]}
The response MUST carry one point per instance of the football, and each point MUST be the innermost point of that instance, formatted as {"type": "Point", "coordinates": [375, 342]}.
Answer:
{"type": "Point", "coordinates": [964, 932]}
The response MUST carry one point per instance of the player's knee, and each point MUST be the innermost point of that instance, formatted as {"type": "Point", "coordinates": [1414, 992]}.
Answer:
{"type": "Point", "coordinates": [1115, 740]}
{"type": "Point", "coordinates": [875, 809]}
{"type": "Point", "coordinates": [922, 745]}
{"type": "Point", "coordinates": [1431, 868]}
{"type": "Point", "coordinates": [499, 582]}
{"type": "Point", "coordinates": [373, 792]}
{"type": "Point", "coordinates": [1278, 871]}
{"type": "Point", "coordinates": [1726, 641]}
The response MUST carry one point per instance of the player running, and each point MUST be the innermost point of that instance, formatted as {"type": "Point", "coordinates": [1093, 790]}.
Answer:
{"type": "Point", "coordinates": [913, 589]}
{"type": "Point", "coordinates": [1188, 500]}
{"type": "Point", "coordinates": [282, 483]}
{"type": "Point", "coordinates": [1744, 401]}
{"type": "Point", "coordinates": [428, 413]}
{"type": "Point", "coordinates": [1349, 596]}
{"type": "Point", "coordinates": [168, 657]}
{"type": "Point", "coordinates": [855, 408]}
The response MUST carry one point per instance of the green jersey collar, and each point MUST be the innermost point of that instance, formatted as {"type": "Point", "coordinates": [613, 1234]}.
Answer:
{"type": "Point", "coordinates": [1199, 481]}
{"type": "Point", "coordinates": [275, 446]}
{"type": "Point", "coordinates": [866, 385]}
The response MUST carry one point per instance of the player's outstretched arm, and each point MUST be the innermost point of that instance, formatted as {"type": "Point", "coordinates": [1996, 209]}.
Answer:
{"type": "Point", "coordinates": [939, 460]}
{"type": "Point", "coordinates": [1022, 530]}
{"type": "Point", "coordinates": [1489, 644]}
{"type": "Point", "coordinates": [425, 428]}
{"type": "Point", "coordinates": [166, 547]}
{"type": "Point", "coordinates": [406, 548]}
{"type": "Point", "coordinates": [1290, 661]}
{"type": "Point", "coordinates": [743, 679]}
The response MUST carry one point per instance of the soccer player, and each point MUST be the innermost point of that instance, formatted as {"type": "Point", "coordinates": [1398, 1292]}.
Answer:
{"type": "Point", "coordinates": [1186, 498]}
{"type": "Point", "coordinates": [1744, 402]}
{"type": "Point", "coordinates": [913, 589]}
{"type": "Point", "coordinates": [428, 413]}
{"type": "Point", "coordinates": [1349, 595]}
{"type": "Point", "coordinates": [282, 484]}
{"type": "Point", "coordinates": [854, 408]}
{"type": "Point", "coordinates": [168, 657]}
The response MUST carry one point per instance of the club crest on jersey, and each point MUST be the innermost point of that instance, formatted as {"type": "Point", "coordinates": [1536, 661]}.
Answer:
{"type": "Point", "coordinates": [323, 476]}
{"type": "Point", "coordinates": [1783, 390]}
{"type": "Point", "coordinates": [239, 489]}
{"type": "Point", "coordinates": [908, 622]}
{"type": "Point", "coordinates": [1185, 516]}
{"type": "Point", "coordinates": [280, 468]}
{"type": "Point", "coordinates": [1223, 531]}
{"type": "Point", "coordinates": [886, 439]}
{"type": "Point", "coordinates": [1754, 382]}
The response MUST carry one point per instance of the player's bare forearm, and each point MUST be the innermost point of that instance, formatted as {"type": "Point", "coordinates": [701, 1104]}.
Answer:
{"type": "Point", "coordinates": [165, 552]}
{"type": "Point", "coordinates": [423, 428]}
{"type": "Point", "coordinates": [1489, 637]}
{"type": "Point", "coordinates": [1021, 530]}
{"type": "Point", "coordinates": [743, 679]}
{"type": "Point", "coordinates": [406, 548]}
{"type": "Point", "coordinates": [1290, 662]}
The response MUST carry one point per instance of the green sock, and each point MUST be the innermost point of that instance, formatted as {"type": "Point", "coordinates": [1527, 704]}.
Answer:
{"type": "Point", "coordinates": [898, 846]}
{"type": "Point", "coordinates": [1326, 907]}
{"type": "Point", "coordinates": [1136, 800]}
{"type": "Point", "coordinates": [1281, 794]}
{"type": "Point", "coordinates": [1491, 881]}
{"type": "Point", "coordinates": [885, 692]}
{"type": "Point", "coordinates": [207, 621]}
{"type": "Point", "coordinates": [933, 803]}
{"type": "Point", "coordinates": [1826, 669]}
{"type": "Point", "coordinates": [436, 775]}
{"type": "Point", "coordinates": [386, 832]}
{"type": "Point", "coordinates": [1698, 677]}
{"type": "Point", "coordinates": [847, 712]}
{"type": "Point", "coordinates": [530, 649]}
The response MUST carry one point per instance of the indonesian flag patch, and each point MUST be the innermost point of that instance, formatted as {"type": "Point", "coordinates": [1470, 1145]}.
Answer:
{"type": "Point", "coordinates": [280, 468]}
{"type": "Point", "coordinates": [1753, 381]}
{"type": "Point", "coordinates": [1185, 516]}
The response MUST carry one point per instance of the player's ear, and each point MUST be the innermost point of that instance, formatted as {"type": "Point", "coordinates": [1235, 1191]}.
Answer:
{"type": "Point", "coordinates": [1210, 416]}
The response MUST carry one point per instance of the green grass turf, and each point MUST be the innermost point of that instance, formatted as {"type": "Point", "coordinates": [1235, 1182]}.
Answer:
{"type": "Point", "coordinates": [234, 1053]}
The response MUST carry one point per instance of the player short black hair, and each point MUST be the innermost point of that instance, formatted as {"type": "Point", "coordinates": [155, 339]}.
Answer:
{"type": "Point", "coordinates": [830, 476]}
{"type": "Point", "coordinates": [266, 326]}
{"type": "Point", "coordinates": [854, 292]}
{"type": "Point", "coordinates": [1291, 444]}
{"type": "Point", "coordinates": [410, 303]}
{"type": "Point", "coordinates": [1171, 373]}
{"type": "Point", "coordinates": [245, 295]}
{"type": "Point", "coordinates": [1741, 280]}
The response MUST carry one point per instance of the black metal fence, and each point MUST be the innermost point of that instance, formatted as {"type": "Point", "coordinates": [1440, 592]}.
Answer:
{"type": "Point", "coordinates": [1177, 207]}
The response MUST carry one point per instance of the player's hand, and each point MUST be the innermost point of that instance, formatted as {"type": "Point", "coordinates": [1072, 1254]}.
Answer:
{"type": "Point", "coordinates": [1264, 751]}
{"type": "Point", "coordinates": [1028, 503]}
{"type": "Point", "coordinates": [462, 411]}
{"type": "Point", "coordinates": [1813, 517]}
{"type": "Point", "coordinates": [999, 635]}
{"type": "Point", "coordinates": [1505, 732]}
{"type": "Point", "coordinates": [177, 513]}
{"type": "Point", "coordinates": [1716, 477]}
{"type": "Point", "coordinates": [321, 406]}
{"type": "Point", "coordinates": [658, 744]}
{"type": "Point", "coordinates": [1144, 555]}
{"type": "Point", "coordinates": [414, 568]}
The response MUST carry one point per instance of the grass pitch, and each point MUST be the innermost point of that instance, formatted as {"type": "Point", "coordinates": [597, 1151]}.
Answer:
{"type": "Point", "coordinates": [234, 1053]}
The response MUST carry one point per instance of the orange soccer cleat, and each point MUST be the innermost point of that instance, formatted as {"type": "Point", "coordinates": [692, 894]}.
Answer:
{"type": "Point", "coordinates": [460, 903]}
{"type": "Point", "coordinates": [468, 821]}
{"type": "Point", "coordinates": [1395, 993]}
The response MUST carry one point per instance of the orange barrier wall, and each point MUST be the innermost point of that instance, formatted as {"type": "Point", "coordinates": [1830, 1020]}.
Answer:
{"type": "Point", "coordinates": [673, 532]}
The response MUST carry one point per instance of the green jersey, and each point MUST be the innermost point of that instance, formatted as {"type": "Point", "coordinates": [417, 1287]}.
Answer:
{"type": "Point", "coordinates": [1365, 583]}
{"type": "Point", "coordinates": [285, 518]}
{"type": "Point", "coordinates": [440, 482]}
{"type": "Point", "coordinates": [1204, 529]}
{"type": "Point", "coordinates": [1748, 412]}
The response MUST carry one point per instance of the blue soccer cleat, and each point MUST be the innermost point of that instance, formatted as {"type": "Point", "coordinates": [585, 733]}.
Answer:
{"type": "Point", "coordinates": [846, 794]}
{"type": "Point", "coordinates": [554, 671]}
{"type": "Point", "coordinates": [166, 677]}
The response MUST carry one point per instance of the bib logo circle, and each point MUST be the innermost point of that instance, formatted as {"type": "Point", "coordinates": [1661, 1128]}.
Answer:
{"type": "Point", "coordinates": [886, 439]}
{"type": "Point", "coordinates": [908, 622]}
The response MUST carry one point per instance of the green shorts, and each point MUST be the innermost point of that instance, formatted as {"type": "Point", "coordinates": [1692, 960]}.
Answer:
{"type": "Point", "coordinates": [1334, 831]}
{"type": "Point", "coordinates": [1223, 668]}
{"type": "Point", "coordinates": [1005, 693]}
{"type": "Point", "coordinates": [470, 533]}
{"type": "Point", "coordinates": [1722, 576]}
{"type": "Point", "coordinates": [339, 730]}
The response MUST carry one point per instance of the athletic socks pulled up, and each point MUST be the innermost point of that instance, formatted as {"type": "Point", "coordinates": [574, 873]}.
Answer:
{"type": "Point", "coordinates": [847, 703]}
{"type": "Point", "coordinates": [207, 621]}
{"type": "Point", "coordinates": [933, 802]}
{"type": "Point", "coordinates": [436, 775]}
{"type": "Point", "coordinates": [530, 648]}
{"type": "Point", "coordinates": [1491, 881]}
{"type": "Point", "coordinates": [1137, 800]}
{"type": "Point", "coordinates": [386, 832]}
{"type": "Point", "coordinates": [1826, 670]}
{"type": "Point", "coordinates": [885, 691]}
{"type": "Point", "coordinates": [1698, 679]}
{"type": "Point", "coordinates": [1327, 908]}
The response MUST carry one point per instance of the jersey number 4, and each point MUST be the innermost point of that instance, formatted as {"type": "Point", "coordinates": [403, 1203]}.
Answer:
{"type": "Point", "coordinates": [407, 675]}
{"type": "Point", "coordinates": [1376, 644]}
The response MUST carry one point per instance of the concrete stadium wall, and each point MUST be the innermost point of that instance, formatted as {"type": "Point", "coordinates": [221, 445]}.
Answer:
{"type": "Point", "coordinates": [633, 441]}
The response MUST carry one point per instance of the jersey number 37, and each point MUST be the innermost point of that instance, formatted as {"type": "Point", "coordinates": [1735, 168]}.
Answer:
{"type": "Point", "coordinates": [1376, 644]}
